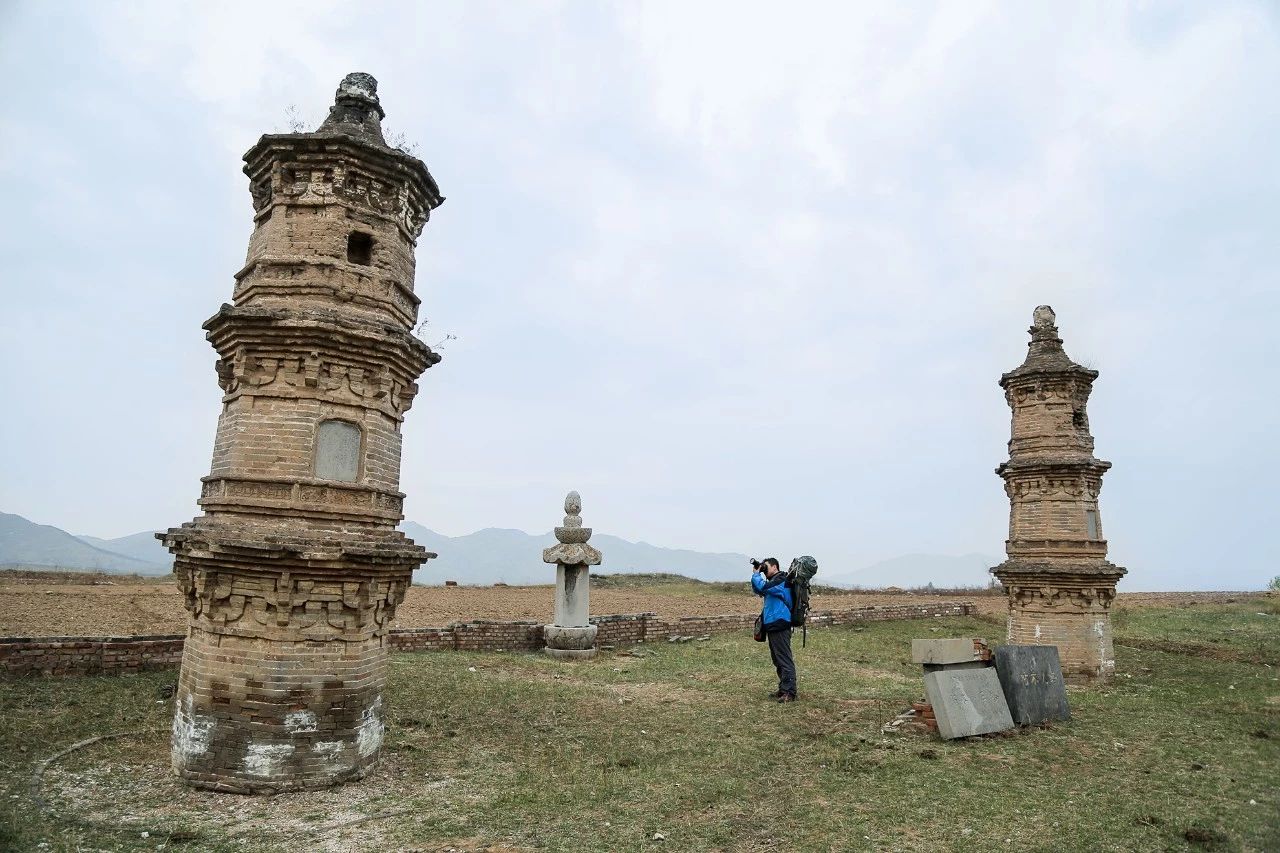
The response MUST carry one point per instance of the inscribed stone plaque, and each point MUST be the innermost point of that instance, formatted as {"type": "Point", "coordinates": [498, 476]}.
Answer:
{"type": "Point", "coordinates": [1031, 677]}
{"type": "Point", "coordinates": [967, 702]}
{"type": "Point", "coordinates": [338, 451]}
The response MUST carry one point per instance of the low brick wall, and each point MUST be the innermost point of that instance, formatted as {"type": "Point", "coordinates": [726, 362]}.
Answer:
{"type": "Point", "coordinates": [624, 629]}
{"type": "Point", "coordinates": [124, 655]}
{"type": "Point", "coordinates": [88, 655]}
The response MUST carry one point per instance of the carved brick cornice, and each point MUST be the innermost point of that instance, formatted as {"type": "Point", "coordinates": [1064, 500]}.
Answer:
{"type": "Point", "coordinates": [314, 377]}
{"type": "Point", "coordinates": [1057, 590]}
{"type": "Point", "coordinates": [1052, 599]}
{"type": "Point", "coordinates": [1058, 571]}
{"type": "Point", "coordinates": [334, 168]}
{"type": "Point", "coordinates": [1055, 466]}
{"type": "Point", "coordinates": [317, 355]}
{"type": "Point", "coordinates": [264, 547]}
{"type": "Point", "coordinates": [1051, 484]}
{"type": "Point", "coordinates": [1056, 549]}
{"type": "Point", "coordinates": [334, 281]}
{"type": "Point", "coordinates": [293, 498]}
{"type": "Point", "coordinates": [1072, 445]}
{"type": "Point", "coordinates": [288, 606]}
{"type": "Point", "coordinates": [1057, 587]}
{"type": "Point", "coordinates": [1070, 387]}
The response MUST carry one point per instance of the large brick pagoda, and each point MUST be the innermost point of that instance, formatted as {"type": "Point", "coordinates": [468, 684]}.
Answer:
{"type": "Point", "coordinates": [1059, 581]}
{"type": "Point", "coordinates": [293, 572]}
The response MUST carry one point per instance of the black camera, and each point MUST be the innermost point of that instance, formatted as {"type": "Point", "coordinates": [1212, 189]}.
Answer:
{"type": "Point", "coordinates": [756, 565]}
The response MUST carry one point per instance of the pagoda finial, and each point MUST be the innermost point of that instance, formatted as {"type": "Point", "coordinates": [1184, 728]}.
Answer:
{"type": "Point", "coordinates": [356, 109]}
{"type": "Point", "coordinates": [572, 532]}
{"type": "Point", "coordinates": [572, 538]}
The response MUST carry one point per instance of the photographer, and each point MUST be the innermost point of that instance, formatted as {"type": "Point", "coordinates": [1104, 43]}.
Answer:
{"type": "Point", "coordinates": [768, 581]}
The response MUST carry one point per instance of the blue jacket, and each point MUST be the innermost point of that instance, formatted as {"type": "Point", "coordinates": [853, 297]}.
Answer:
{"type": "Point", "coordinates": [777, 600]}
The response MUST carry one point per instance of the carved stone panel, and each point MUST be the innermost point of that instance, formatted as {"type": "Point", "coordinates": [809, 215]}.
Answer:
{"type": "Point", "coordinates": [338, 446]}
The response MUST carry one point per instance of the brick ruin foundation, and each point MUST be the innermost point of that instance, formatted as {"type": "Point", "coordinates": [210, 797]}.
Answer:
{"type": "Point", "coordinates": [293, 572]}
{"type": "Point", "coordinates": [128, 655]}
{"type": "Point", "coordinates": [1059, 581]}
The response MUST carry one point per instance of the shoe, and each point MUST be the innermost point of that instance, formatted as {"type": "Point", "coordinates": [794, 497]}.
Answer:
{"type": "Point", "coordinates": [786, 697]}
{"type": "Point", "coordinates": [775, 694]}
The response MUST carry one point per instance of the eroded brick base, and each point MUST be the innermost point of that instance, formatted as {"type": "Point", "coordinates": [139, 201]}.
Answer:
{"type": "Point", "coordinates": [257, 716]}
{"type": "Point", "coordinates": [1083, 639]}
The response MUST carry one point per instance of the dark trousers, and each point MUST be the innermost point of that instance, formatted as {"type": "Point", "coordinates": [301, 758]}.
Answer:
{"type": "Point", "coordinates": [780, 652]}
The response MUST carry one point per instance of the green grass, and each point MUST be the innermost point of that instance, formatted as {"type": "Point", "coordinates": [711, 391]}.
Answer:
{"type": "Point", "coordinates": [541, 754]}
{"type": "Point", "coordinates": [1246, 630]}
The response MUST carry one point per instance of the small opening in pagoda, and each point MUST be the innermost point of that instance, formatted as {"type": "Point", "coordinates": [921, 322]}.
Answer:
{"type": "Point", "coordinates": [1091, 520]}
{"type": "Point", "coordinates": [359, 248]}
{"type": "Point", "coordinates": [1077, 419]}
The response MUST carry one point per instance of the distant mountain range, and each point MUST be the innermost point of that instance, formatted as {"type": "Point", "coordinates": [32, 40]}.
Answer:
{"type": "Point", "coordinates": [24, 543]}
{"type": "Point", "coordinates": [482, 558]}
{"type": "Point", "coordinates": [917, 570]}
{"type": "Point", "coordinates": [515, 557]}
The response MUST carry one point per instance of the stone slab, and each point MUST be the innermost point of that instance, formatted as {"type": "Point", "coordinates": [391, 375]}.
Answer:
{"type": "Point", "coordinates": [1031, 677]}
{"type": "Point", "coordinates": [944, 651]}
{"type": "Point", "coordinates": [338, 451]}
{"type": "Point", "coordinates": [967, 702]}
{"type": "Point", "coordinates": [969, 664]}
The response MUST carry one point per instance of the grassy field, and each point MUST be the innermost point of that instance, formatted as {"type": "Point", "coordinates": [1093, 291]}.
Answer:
{"type": "Point", "coordinates": [680, 750]}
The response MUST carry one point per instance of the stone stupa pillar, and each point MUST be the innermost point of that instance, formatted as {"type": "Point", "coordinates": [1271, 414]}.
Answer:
{"type": "Point", "coordinates": [1057, 576]}
{"type": "Point", "coordinates": [293, 572]}
{"type": "Point", "coordinates": [572, 635]}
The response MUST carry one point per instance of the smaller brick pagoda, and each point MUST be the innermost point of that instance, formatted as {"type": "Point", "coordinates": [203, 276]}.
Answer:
{"type": "Point", "coordinates": [1059, 581]}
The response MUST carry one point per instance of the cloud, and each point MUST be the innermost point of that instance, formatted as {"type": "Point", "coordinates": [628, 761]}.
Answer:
{"type": "Point", "coordinates": [745, 275]}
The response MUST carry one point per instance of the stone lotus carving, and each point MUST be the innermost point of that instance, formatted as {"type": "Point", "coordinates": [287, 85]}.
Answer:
{"type": "Point", "coordinates": [570, 639]}
{"type": "Point", "coordinates": [571, 538]}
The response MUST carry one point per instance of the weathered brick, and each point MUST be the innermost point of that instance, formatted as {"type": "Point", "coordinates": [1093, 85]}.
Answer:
{"type": "Point", "coordinates": [1059, 581]}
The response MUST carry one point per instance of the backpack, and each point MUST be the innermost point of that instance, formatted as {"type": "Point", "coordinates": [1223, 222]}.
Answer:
{"type": "Point", "coordinates": [799, 574]}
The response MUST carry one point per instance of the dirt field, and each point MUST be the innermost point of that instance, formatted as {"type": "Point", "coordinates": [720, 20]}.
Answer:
{"type": "Point", "coordinates": [43, 605]}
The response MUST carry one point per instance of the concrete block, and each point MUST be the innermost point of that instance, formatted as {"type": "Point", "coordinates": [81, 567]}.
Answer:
{"type": "Point", "coordinates": [943, 651]}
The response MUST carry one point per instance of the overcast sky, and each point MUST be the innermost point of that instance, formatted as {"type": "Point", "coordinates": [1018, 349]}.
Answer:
{"type": "Point", "coordinates": [745, 276]}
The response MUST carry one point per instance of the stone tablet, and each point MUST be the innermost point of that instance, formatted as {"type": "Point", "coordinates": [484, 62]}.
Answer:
{"type": "Point", "coordinates": [967, 702]}
{"type": "Point", "coordinates": [338, 451]}
{"type": "Point", "coordinates": [1031, 677]}
{"type": "Point", "coordinates": [944, 651]}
